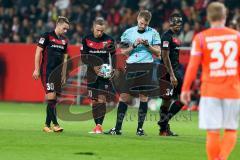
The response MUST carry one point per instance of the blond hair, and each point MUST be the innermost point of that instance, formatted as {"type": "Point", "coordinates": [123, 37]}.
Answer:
{"type": "Point", "coordinates": [62, 19]}
{"type": "Point", "coordinates": [99, 21]}
{"type": "Point", "coordinates": [216, 11]}
{"type": "Point", "coordinates": [146, 15]}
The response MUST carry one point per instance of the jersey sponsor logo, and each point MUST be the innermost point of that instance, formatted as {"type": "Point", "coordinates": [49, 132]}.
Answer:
{"type": "Point", "coordinates": [223, 73]}
{"type": "Point", "coordinates": [97, 51]}
{"type": "Point", "coordinates": [165, 44]}
{"type": "Point", "coordinates": [57, 46]}
{"type": "Point", "coordinates": [96, 45]}
{"type": "Point", "coordinates": [41, 40]}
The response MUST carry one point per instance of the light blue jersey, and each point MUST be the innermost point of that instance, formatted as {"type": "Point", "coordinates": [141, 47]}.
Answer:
{"type": "Point", "coordinates": [141, 54]}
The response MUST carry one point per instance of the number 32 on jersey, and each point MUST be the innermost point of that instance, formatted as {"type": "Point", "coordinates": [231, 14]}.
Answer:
{"type": "Point", "coordinates": [223, 58]}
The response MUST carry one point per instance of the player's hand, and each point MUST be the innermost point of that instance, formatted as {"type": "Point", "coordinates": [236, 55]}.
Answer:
{"type": "Point", "coordinates": [145, 43]}
{"type": "Point", "coordinates": [112, 74]}
{"type": "Point", "coordinates": [174, 80]}
{"type": "Point", "coordinates": [36, 74]}
{"type": "Point", "coordinates": [63, 80]}
{"type": "Point", "coordinates": [109, 47]}
{"type": "Point", "coordinates": [137, 42]}
{"type": "Point", "coordinates": [185, 97]}
{"type": "Point", "coordinates": [97, 70]}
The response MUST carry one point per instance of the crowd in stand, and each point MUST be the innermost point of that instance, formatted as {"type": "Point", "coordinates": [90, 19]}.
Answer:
{"type": "Point", "coordinates": [24, 20]}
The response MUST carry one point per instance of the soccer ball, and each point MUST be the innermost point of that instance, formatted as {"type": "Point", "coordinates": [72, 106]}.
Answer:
{"type": "Point", "coordinates": [106, 70]}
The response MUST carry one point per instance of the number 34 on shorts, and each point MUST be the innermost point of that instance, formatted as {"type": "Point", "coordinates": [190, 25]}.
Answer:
{"type": "Point", "coordinates": [169, 92]}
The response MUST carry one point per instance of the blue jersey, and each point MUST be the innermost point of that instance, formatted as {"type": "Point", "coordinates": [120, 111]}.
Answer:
{"type": "Point", "coordinates": [141, 54]}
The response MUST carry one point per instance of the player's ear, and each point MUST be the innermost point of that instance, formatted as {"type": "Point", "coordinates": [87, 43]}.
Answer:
{"type": "Point", "coordinates": [138, 18]}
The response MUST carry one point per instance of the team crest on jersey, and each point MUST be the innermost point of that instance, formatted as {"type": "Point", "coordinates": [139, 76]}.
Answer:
{"type": "Point", "coordinates": [165, 43]}
{"type": "Point", "coordinates": [41, 40]}
{"type": "Point", "coordinates": [177, 41]}
{"type": "Point", "coordinates": [106, 86]}
{"type": "Point", "coordinates": [63, 42]}
{"type": "Point", "coordinates": [105, 43]}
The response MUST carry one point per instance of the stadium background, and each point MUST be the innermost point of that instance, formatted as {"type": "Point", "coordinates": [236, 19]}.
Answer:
{"type": "Point", "coordinates": [22, 21]}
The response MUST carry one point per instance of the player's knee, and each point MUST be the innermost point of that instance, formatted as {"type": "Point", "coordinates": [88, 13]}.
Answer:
{"type": "Point", "coordinates": [51, 95]}
{"type": "Point", "coordinates": [165, 104]}
{"type": "Point", "coordinates": [143, 98]}
{"type": "Point", "coordinates": [124, 97]}
{"type": "Point", "coordinates": [102, 99]}
{"type": "Point", "coordinates": [94, 102]}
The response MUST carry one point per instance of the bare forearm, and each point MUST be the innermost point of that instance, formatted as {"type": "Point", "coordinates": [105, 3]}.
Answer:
{"type": "Point", "coordinates": [37, 58]}
{"type": "Point", "coordinates": [126, 51]}
{"type": "Point", "coordinates": [64, 69]}
{"type": "Point", "coordinates": [155, 50]}
{"type": "Point", "coordinates": [168, 64]}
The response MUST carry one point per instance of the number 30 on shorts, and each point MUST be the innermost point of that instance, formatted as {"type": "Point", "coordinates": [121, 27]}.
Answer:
{"type": "Point", "coordinates": [50, 86]}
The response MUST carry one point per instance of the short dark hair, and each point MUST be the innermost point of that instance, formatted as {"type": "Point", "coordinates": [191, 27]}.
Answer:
{"type": "Point", "coordinates": [146, 15]}
{"type": "Point", "coordinates": [99, 21]}
{"type": "Point", "coordinates": [62, 19]}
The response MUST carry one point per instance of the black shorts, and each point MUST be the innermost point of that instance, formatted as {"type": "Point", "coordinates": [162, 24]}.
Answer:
{"type": "Point", "coordinates": [52, 82]}
{"type": "Point", "coordinates": [138, 78]}
{"type": "Point", "coordinates": [172, 92]}
{"type": "Point", "coordinates": [101, 87]}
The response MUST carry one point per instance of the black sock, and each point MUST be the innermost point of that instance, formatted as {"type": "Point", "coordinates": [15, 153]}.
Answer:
{"type": "Point", "coordinates": [142, 112]}
{"type": "Point", "coordinates": [122, 108]}
{"type": "Point", "coordinates": [103, 112]}
{"type": "Point", "coordinates": [51, 112]}
{"type": "Point", "coordinates": [99, 111]}
{"type": "Point", "coordinates": [48, 117]}
{"type": "Point", "coordinates": [163, 118]}
{"type": "Point", "coordinates": [174, 109]}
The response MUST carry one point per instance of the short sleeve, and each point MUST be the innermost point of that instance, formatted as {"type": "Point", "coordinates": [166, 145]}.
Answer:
{"type": "Point", "coordinates": [43, 40]}
{"type": "Point", "coordinates": [86, 58]}
{"type": "Point", "coordinates": [196, 45]}
{"type": "Point", "coordinates": [124, 37]}
{"type": "Point", "coordinates": [165, 41]}
{"type": "Point", "coordinates": [66, 47]}
{"type": "Point", "coordinates": [156, 38]}
{"type": "Point", "coordinates": [112, 46]}
{"type": "Point", "coordinates": [84, 48]}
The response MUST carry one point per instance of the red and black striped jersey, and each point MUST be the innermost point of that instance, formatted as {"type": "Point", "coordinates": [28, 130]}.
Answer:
{"type": "Point", "coordinates": [95, 51]}
{"type": "Point", "coordinates": [54, 47]}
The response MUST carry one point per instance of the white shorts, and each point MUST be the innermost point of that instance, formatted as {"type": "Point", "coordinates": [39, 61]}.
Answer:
{"type": "Point", "coordinates": [215, 113]}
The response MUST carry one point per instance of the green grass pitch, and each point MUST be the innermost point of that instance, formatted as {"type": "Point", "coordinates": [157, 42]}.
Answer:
{"type": "Point", "coordinates": [21, 137]}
